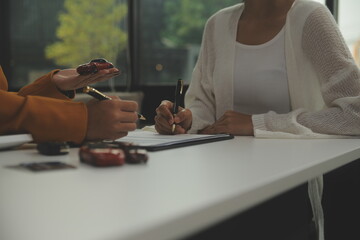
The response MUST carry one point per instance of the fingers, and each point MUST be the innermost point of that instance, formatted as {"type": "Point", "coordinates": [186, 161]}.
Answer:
{"type": "Point", "coordinates": [215, 128]}
{"type": "Point", "coordinates": [117, 130]}
{"type": "Point", "coordinates": [69, 79]}
{"type": "Point", "coordinates": [110, 71]}
{"type": "Point", "coordinates": [182, 123]}
{"type": "Point", "coordinates": [128, 106]}
{"type": "Point", "coordinates": [124, 117]}
{"type": "Point", "coordinates": [102, 75]}
{"type": "Point", "coordinates": [182, 115]}
{"type": "Point", "coordinates": [162, 126]}
{"type": "Point", "coordinates": [124, 111]}
{"type": "Point", "coordinates": [164, 118]}
{"type": "Point", "coordinates": [123, 105]}
{"type": "Point", "coordinates": [207, 130]}
{"type": "Point", "coordinates": [164, 111]}
{"type": "Point", "coordinates": [179, 130]}
{"type": "Point", "coordinates": [183, 119]}
{"type": "Point", "coordinates": [167, 104]}
{"type": "Point", "coordinates": [125, 127]}
{"type": "Point", "coordinates": [110, 119]}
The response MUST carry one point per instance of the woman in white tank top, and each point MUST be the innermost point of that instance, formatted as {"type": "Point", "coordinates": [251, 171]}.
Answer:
{"type": "Point", "coordinates": [272, 69]}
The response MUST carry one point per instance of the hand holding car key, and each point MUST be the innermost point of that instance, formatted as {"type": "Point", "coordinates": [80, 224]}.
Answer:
{"type": "Point", "coordinates": [94, 66]}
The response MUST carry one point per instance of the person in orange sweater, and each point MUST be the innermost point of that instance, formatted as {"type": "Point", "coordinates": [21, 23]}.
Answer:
{"type": "Point", "coordinates": [45, 110]}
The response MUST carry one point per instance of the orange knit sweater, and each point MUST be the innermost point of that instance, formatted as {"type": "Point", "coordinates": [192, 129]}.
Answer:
{"type": "Point", "coordinates": [41, 110]}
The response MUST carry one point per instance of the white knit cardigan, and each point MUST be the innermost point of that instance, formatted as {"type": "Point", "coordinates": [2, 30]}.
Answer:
{"type": "Point", "coordinates": [323, 79]}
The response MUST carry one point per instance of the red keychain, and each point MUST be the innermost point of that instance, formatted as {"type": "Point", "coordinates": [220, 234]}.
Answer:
{"type": "Point", "coordinates": [94, 66]}
{"type": "Point", "coordinates": [103, 154]}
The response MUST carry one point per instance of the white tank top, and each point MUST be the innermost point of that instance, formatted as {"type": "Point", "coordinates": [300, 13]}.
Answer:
{"type": "Point", "coordinates": [260, 78]}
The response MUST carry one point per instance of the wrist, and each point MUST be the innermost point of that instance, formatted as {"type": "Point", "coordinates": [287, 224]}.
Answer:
{"type": "Point", "coordinates": [56, 79]}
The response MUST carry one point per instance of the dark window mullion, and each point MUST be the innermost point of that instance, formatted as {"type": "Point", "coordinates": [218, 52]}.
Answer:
{"type": "Point", "coordinates": [333, 6]}
{"type": "Point", "coordinates": [5, 54]}
{"type": "Point", "coordinates": [133, 80]}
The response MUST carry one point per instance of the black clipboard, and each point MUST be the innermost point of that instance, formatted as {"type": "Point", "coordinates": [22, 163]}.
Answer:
{"type": "Point", "coordinates": [175, 143]}
{"type": "Point", "coordinates": [188, 142]}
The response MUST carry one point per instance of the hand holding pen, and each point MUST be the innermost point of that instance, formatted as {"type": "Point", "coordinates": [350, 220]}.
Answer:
{"type": "Point", "coordinates": [178, 94]}
{"type": "Point", "coordinates": [170, 117]}
{"type": "Point", "coordinates": [100, 96]}
{"type": "Point", "coordinates": [110, 119]}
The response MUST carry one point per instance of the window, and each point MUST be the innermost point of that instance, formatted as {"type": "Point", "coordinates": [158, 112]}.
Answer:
{"type": "Point", "coordinates": [45, 35]}
{"type": "Point", "coordinates": [170, 35]}
{"type": "Point", "coordinates": [349, 22]}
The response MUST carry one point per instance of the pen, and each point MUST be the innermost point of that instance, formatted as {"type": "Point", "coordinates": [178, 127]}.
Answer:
{"type": "Point", "coordinates": [100, 96]}
{"type": "Point", "coordinates": [178, 94]}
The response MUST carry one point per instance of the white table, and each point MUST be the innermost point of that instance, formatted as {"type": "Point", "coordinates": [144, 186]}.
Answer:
{"type": "Point", "coordinates": [177, 193]}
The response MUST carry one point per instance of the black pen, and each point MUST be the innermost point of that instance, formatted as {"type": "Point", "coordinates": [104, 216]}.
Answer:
{"type": "Point", "coordinates": [100, 96]}
{"type": "Point", "coordinates": [178, 94]}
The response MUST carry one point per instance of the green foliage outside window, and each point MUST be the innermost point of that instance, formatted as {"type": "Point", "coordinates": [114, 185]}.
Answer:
{"type": "Point", "coordinates": [88, 29]}
{"type": "Point", "coordinates": [186, 19]}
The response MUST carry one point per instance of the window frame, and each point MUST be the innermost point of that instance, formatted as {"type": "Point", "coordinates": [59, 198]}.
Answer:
{"type": "Point", "coordinates": [5, 56]}
{"type": "Point", "coordinates": [333, 6]}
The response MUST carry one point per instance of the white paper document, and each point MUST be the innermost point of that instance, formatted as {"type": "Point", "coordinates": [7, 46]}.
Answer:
{"type": "Point", "coordinates": [154, 141]}
{"type": "Point", "coordinates": [10, 141]}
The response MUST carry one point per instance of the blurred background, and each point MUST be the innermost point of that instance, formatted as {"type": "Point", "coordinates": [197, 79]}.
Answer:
{"type": "Point", "coordinates": [153, 42]}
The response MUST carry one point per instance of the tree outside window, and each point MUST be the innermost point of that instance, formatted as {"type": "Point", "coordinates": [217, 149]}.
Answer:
{"type": "Point", "coordinates": [88, 29]}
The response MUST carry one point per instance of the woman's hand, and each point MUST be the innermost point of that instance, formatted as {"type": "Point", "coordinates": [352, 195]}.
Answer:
{"type": "Point", "coordinates": [110, 119]}
{"type": "Point", "coordinates": [164, 119]}
{"type": "Point", "coordinates": [231, 122]}
{"type": "Point", "coordinates": [69, 79]}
